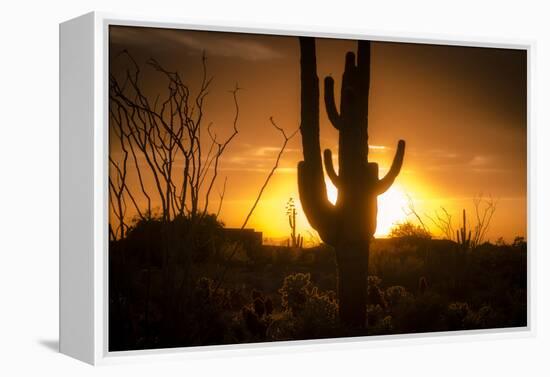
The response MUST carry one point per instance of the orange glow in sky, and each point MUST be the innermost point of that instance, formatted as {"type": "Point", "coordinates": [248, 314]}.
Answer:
{"type": "Point", "coordinates": [462, 112]}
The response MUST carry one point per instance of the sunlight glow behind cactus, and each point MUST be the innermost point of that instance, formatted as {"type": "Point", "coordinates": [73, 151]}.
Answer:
{"type": "Point", "coordinates": [391, 207]}
{"type": "Point", "coordinates": [391, 210]}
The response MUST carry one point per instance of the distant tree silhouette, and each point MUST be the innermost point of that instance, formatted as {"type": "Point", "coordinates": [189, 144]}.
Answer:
{"type": "Point", "coordinates": [409, 230]}
{"type": "Point", "coordinates": [350, 224]}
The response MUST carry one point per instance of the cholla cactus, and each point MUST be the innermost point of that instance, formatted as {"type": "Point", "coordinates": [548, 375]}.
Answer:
{"type": "Point", "coordinates": [349, 224]}
{"type": "Point", "coordinates": [257, 316]}
{"type": "Point", "coordinates": [295, 291]}
{"type": "Point", "coordinates": [375, 295]}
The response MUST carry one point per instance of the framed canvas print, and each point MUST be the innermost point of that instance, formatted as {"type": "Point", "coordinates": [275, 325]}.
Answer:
{"type": "Point", "coordinates": [224, 187]}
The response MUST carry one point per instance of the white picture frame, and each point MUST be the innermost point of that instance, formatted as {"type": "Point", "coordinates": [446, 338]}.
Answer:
{"type": "Point", "coordinates": [84, 190]}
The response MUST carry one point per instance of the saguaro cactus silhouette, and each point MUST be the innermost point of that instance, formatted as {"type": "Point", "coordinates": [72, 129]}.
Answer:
{"type": "Point", "coordinates": [463, 241]}
{"type": "Point", "coordinates": [297, 240]}
{"type": "Point", "coordinates": [349, 224]}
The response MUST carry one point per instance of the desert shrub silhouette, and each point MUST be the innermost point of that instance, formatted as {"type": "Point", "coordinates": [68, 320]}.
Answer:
{"type": "Point", "coordinates": [267, 301]}
{"type": "Point", "coordinates": [409, 230]}
{"type": "Point", "coordinates": [257, 316]}
{"type": "Point", "coordinates": [307, 312]}
{"type": "Point", "coordinates": [456, 315]}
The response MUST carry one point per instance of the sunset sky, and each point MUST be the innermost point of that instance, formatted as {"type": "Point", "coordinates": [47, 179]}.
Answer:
{"type": "Point", "coordinates": [461, 110]}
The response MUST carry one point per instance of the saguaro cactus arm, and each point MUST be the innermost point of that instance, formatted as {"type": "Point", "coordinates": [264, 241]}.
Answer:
{"type": "Point", "coordinates": [329, 167]}
{"type": "Point", "coordinates": [315, 203]}
{"type": "Point", "coordinates": [311, 182]}
{"type": "Point", "coordinates": [330, 104]}
{"type": "Point", "coordinates": [385, 183]}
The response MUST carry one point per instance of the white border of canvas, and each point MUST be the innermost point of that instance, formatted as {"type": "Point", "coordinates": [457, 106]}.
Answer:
{"type": "Point", "coordinates": [100, 267]}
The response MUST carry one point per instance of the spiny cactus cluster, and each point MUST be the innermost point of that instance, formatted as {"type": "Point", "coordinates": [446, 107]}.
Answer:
{"type": "Point", "coordinates": [382, 303]}
{"type": "Point", "coordinates": [460, 316]}
{"type": "Point", "coordinates": [257, 316]}
{"type": "Point", "coordinates": [349, 224]}
{"type": "Point", "coordinates": [307, 310]}
{"type": "Point", "coordinates": [294, 292]}
{"type": "Point", "coordinates": [263, 306]}
{"type": "Point", "coordinates": [298, 292]}
{"type": "Point", "coordinates": [375, 295]}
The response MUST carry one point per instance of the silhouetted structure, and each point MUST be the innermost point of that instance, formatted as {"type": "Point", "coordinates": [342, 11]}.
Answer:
{"type": "Point", "coordinates": [246, 237]}
{"type": "Point", "coordinates": [349, 224]}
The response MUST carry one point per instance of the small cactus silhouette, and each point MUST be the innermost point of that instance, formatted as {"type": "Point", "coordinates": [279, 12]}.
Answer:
{"type": "Point", "coordinates": [349, 224]}
{"type": "Point", "coordinates": [463, 241]}
{"type": "Point", "coordinates": [297, 240]}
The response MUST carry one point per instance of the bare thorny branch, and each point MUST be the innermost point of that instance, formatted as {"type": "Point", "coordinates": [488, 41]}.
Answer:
{"type": "Point", "coordinates": [163, 141]}
{"type": "Point", "coordinates": [286, 139]}
{"type": "Point", "coordinates": [443, 222]}
{"type": "Point", "coordinates": [157, 136]}
{"type": "Point", "coordinates": [484, 210]}
{"type": "Point", "coordinates": [411, 210]}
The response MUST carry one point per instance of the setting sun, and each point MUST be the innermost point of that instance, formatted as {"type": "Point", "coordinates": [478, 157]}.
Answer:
{"type": "Point", "coordinates": [391, 210]}
{"type": "Point", "coordinates": [391, 207]}
{"type": "Point", "coordinates": [332, 191]}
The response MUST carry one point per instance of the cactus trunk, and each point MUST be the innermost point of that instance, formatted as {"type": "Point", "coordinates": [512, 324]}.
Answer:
{"type": "Point", "coordinates": [349, 224]}
{"type": "Point", "coordinates": [352, 284]}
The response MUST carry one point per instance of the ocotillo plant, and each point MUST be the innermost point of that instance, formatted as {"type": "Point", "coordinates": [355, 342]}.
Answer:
{"type": "Point", "coordinates": [349, 224]}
